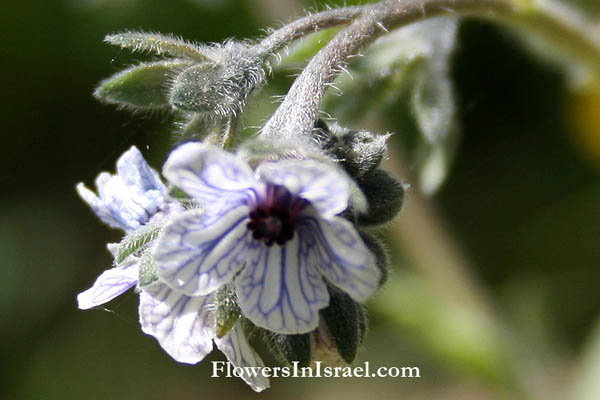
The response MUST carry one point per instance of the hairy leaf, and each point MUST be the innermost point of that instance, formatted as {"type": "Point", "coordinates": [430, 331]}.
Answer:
{"type": "Point", "coordinates": [158, 44]}
{"type": "Point", "coordinates": [142, 87]}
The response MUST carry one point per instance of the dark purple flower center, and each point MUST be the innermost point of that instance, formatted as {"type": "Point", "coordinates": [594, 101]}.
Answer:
{"type": "Point", "coordinates": [274, 219]}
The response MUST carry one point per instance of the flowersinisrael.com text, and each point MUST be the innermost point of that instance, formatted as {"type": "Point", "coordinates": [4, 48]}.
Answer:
{"type": "Point", "coordinates": [225, 369]}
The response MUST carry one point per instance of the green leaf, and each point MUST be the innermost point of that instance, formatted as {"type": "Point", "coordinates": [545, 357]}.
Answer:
{"type": "Point", "coordinates": [136, 241]}
{"type": "Point", "coordinates": [158, 44]}
{"type": "Point", "coordinates": [142, 87]}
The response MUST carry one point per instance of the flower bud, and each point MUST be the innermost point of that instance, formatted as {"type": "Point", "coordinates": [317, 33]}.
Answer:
{"type": "Point", "coordinates": [359, 152]}
{"type": "Point", "coordinates": [220, 87]}
{"type": "Point", "coordinates": [384, 194]}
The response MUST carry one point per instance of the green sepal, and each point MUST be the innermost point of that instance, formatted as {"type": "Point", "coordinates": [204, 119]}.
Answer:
{"type": "Point", "coordinates": [227, 311]}
{"type": "Point", "coordinates": [135, 241]}
{"type": "Point", "coordinates": [178, 194]}
{"type": "Point", "coordinates": [193, 126]}
{"type": "Point", "coordinates": [147, 269]}
{"type": "Point", "coordinates": [289, 348]}
{"type": "Point", "coordinates": [342, 320]}
{"type": "Point", "coordinates": [384, 194]}
{"type": "Point", "coordinates": [358, 152]}
{"type": "Point", "coordinates": [142, 87]}
{"type": "Point", "coordinates": [382, 257]}
{"type": "Point", "coordinates": [158, 44]}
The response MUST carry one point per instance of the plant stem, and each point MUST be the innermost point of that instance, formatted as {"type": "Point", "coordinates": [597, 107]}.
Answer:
{"type": "Point", "coordinates": [308, 24]}
{"type": "Point", "coordinates": [299, 110]}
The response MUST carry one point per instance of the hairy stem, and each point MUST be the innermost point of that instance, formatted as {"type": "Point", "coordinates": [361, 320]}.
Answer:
{"type": "Point", "coordinates": [308, 24]}
{"type": "Point", "coordinates": [299, 110]}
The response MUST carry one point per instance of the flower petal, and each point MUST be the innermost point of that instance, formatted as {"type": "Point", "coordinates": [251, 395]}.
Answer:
{"type": "Point", "coordinates": [183, 325]}
{"type": "Point", "coordinates": [237, 350]}
{"type": "Point", "coordinates": [339, 253]}
{"type": "Point", "coordinates": [323, 185]}
{"type": "Point", "coordinates": [207, 173]}
{"type": "Point", "coordinates": [198, 251]}
{"type": "Point", "coordinates": [280, 290]}
{"type": "Point", "coordinates": [135, 171]}
{"type": "Point", "coordinates": [129, 199]}
{"type": "Point", "coordinates": [106, 214]}
{"type": "Point", "coordinates": [110, 284]}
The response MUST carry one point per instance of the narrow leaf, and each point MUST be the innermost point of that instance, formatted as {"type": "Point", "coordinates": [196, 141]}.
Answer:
{"type": "Point", "coordinates": [158, 44]}
{"type": "Point", "coordinates": [142, 87]}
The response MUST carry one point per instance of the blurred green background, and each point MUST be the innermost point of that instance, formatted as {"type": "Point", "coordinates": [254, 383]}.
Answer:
{"type": "Point", "coordinates": [495, 289]}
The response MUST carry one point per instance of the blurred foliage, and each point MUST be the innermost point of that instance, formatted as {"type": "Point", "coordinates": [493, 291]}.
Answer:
{"type": "Point", "coordinates": [521, 201]}
{"type": "Point", "coordinates": [403, 81]}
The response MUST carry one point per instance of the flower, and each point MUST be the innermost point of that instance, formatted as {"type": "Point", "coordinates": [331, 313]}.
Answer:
{"type": "Point", "coordinates": [183, 325]}
{"type": "Point", "coordinates": [275, 232]}
{"type": "Point", "coordinates": [129, 199]}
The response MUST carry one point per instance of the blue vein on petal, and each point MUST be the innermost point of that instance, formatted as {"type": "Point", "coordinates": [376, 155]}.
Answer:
{"type": "Point", "coordinates": [205, 250]}
{"type": "Point", "coordinates": [313, 224]}
{"type": "Point", "coordinates": [178, 308]}
{"type": "Point", "coordinates": [284, 293]}
{"type": "Point", "coordinates": [213, 190]}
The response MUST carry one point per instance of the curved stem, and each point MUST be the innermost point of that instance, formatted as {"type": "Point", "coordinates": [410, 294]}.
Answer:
{"type": "Point", "coordinates": [298, 112]}
{"type": "Point", "coordinates": [308, 24]}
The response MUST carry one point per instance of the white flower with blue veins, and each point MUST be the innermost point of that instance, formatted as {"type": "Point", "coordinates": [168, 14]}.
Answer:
{"type": "Point", "coordinates": [275, 232]}
{"type": "Point", "coordinates": [130, 198]}
{"type": "Point", "coordinates": [183, 325]}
